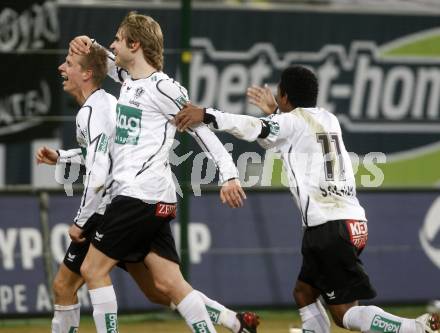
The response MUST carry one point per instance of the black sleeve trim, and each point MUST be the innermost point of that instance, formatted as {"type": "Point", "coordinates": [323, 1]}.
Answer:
{"type": "Point", "coordinates": [265, 129]}
{"type": "Point", "coordinates": [209, 119]}
{"type": "Point", "coordinates": [204, 146]}
{"type": "Point", "coordinates": [88, 122]}
{"type": "Point", "coordinates": [169, 97]}
{"type": "Point", "coordinates": [78, 225]}
{"type": "Point", "coordinates": [119, 71]}
{"type": "Point", "coordinates": [110, 168]}
{"type": "Point", "coordinates": [145, 166]}
{"type": "Point", "coordinates": [83, 201]}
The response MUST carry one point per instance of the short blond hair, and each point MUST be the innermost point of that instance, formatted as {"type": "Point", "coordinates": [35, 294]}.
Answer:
{"type": "Point", "coordinates": [145, 30]}
{"type": "Point", "coordinates": [96, 61]}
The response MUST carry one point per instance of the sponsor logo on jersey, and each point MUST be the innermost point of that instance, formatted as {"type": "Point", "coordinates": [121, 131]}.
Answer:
{"type": "Point", "coordinates": [201, 327]}
{"type": "Point", "coordinates": [111, 322]}
{"type": "Point", "coordinates": [381, 324]}
{"type": "Point", "coordinates": [166, 210]}
{"type": "Point", "coordinates": [103, 143]}
{"type": "Point", "coordinates": [358, 232]}
{"type": "Point", "coordinates": [214, 314]}
{"type": "Point", "coordinates": [71, 257]}
{"type": "Point", "coordinates": [181, 101]}
{"type": "Point", "coordinates": [128, 125]}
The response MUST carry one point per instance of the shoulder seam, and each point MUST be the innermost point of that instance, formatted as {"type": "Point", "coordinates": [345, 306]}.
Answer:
{"type": "Point", "coordinates": [169, 97]}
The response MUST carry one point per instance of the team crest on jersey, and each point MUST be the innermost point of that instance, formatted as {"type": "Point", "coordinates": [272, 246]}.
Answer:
{"type": "Point", "coordinates": [139, 91]}
{"type": "Point", "coordinates": [128, 125]}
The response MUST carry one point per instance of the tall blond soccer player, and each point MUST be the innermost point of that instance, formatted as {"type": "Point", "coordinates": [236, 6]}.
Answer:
{"type": "Point", "coordinates": [136, 223]}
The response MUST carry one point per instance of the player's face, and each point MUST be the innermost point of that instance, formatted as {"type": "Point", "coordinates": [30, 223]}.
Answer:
{"type": "Point", "coordinates": [71, 72]}
{"type": "Point", "coordinates": [120, 50]}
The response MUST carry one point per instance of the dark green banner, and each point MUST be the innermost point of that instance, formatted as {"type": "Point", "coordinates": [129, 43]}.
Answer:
{"type": "Point", "coordinates": [29, 34]}
{"type": "Point", "coordinates": [379, 73]}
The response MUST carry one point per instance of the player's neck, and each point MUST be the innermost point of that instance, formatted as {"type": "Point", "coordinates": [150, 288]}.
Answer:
{"type": "Point", "coordinates": [140, 69]}
{"type": "Point", "coordinates": [88, 90]}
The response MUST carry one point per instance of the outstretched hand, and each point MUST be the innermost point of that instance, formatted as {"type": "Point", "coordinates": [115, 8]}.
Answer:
{"type": "Point", "coordinates": [46, 155]}
{"type": "Point", "coordinates": [232, 193]}
{"type": "Point", "coordinates": [262, 98]}
{"type": "Point", "coordinates": [80, 45]}
{"type": "Point", "coordinates": [189, 116]}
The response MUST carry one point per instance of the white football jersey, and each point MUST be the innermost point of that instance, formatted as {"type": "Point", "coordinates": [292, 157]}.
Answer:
{"type": "Point", "coordinates": [95, 128]}
{"type": "Point", "coordinates": [145, 135]}
{"type": "Point", "coordinates": [315, 160]}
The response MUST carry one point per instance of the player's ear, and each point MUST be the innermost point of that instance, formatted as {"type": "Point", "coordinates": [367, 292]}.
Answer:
{"type": "Point", "coordinates": [134, 46]}
{"type": "Point", "coordinates": [87, 74]}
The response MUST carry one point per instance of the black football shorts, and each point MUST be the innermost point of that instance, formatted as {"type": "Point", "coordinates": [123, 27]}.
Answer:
{"type": "Point", "coordinates": [331, 261]}
{"type": "Point", "coordinates": [133, 228]}
{"type": "Point", "coordinates": [77, 251]}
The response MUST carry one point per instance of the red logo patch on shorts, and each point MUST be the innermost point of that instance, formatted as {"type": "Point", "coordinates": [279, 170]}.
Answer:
{"type": "Point", "coordinates": [166, 210]}
{"type": "Point", "coordinates": [358, 232]}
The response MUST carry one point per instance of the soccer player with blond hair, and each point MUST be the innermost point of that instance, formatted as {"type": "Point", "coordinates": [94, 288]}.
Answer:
{"type": "Point", "coordinates": [136, 226]}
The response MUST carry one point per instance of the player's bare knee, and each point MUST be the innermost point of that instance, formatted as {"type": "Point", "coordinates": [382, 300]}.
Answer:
{"type": "Point", "coordinates": [164, 285]}
{"type": "Point", "coordinates": [87, 271]}
{"type": "Point", "coordinates": [62, 290]}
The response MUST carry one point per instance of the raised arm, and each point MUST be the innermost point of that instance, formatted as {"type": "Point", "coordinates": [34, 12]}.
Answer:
{"type": "Point", "coordinates": [81, 45]}
{"type": "Point", "coordinates": [263, 98]}
{"type": "Point", "coordinates": [171, 98]}
{"type": "Point", "coordinates": [268, 131]}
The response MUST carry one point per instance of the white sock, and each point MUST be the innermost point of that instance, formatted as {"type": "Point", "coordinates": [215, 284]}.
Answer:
{"type": "Point", "coordinates": [314, 318]}
{"type": "Point", "coordinates": [105, 309]}
{"type": "Point", "coordinates": [219, 314]}
{"type": "Point", "coordinates": [194, 312]}
{"type": "Point", "coordinates": [373, 319]}
{"type": "Point", "coordinates": [65, 318]}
